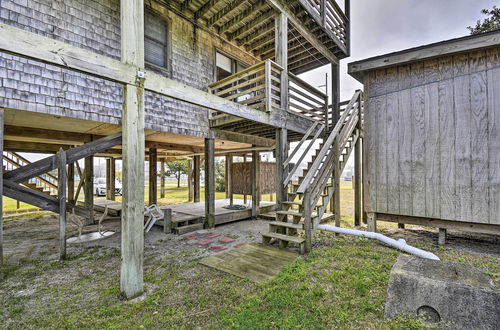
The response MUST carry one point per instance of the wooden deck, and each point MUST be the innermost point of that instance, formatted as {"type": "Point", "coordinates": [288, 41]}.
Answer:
{"type": "Point", "coordinates": [222, 215]}
{"type": "Point", "coordinates": [255, 262]}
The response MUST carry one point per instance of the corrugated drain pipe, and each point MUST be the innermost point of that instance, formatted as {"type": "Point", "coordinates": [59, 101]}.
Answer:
{"type": "Point", "coordinates": [399, 244]}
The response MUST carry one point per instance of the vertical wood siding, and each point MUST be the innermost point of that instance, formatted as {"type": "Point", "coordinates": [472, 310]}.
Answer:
{"type": "Point", "coordinates": [433, 138]}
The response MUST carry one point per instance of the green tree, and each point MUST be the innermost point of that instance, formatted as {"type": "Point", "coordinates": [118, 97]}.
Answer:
{"type": "Point", "coordinates": [220, 176]}
{"type": "Point", "coordinates": [490, 23]}
{"type": "Point", "coordinates": [177, 168]}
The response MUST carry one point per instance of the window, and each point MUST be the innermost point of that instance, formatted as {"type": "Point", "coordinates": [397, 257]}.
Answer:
{"type": "Point", "coordinates": [226, 66]}
{"type": "Point", "coordinates": [155, 40]}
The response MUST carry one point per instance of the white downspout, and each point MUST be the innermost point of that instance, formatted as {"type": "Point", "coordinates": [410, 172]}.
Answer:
{"type": "Point", "coordinates": [399, 244]}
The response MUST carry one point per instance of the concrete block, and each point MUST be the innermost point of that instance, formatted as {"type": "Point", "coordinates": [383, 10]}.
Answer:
{"type": "Point", "coordinates": [456, 295]}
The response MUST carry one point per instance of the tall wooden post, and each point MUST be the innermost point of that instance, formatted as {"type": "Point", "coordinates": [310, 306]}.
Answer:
{"type": "Point", "coordinates": [255, 184]}
{"type": "Point", "coordinates": [335, 202]}
{"type": "Point", "coordinates": [88, 187]}
{"type": "Point", "coordinates": [132, 243]}
{"type": "Point", "coordinates": [110, 179]}
{"type": "Point", "coordinates": [153, 176]}
{"type": "Point", "coordinates": [280, 155]}
{"type": "Point", "coordinates": [209, 183]}
{"type": "Point", "coordinates": [196, 178]}
{"type": "Point", "coordinates": [1, 191]}
{"type": "Point", "coordinates": [358, 211]}
{"type": "Point", "coordinates": [244, 196]}
{"type": "Point", "coordinates": [226, 166]}
{"type": "Point", "coordinates": [162, 178]}
{"type": "Point", "coordinates": [61, 192]}
{"type": "Point", "coordinates": [190, 180]}
{"type": "Point", "coordinates": [229, 178]}
{"type": "Point", "coordinates": [71, 184]}
{"type": "Point", "coordinates": [281, 55]}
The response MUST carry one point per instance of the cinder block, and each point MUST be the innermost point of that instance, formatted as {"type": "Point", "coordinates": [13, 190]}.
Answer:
{"type": "Point", "coordinates": [456, 295]}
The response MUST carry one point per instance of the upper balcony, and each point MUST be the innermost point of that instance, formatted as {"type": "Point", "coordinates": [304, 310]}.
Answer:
{"type": "Point", "coordinates": [318, 29]}
{"type": "Point", "coordinates": [269, 88]}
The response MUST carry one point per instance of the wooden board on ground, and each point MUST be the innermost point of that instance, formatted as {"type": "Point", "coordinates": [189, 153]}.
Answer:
{"type": "Point", "coordinates": [114, 207]}
{"type": "Point", "coordinates": [255, 262]}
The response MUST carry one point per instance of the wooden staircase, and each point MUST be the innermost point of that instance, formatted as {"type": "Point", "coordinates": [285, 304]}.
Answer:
{"type": "Point", "coordinates": [45, 183]}
{"type": "Point", "coordinates": [309, 195]}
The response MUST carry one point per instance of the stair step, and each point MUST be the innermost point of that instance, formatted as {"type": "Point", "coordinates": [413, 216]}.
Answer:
{"type": "Point", "coordinates": [187, 229]}
{"type": "Point", "coordinates": [292, 203]}
{"type": "Point", "coordinates": [295, 214]}
{"type": "Point", "coordinates": [284, 224]}
{"type": "Point", "coordinates": [282, 237]}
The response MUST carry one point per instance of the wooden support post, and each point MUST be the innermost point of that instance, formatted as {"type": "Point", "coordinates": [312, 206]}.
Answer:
{"type": "Point", "coordinates": [335, 93]}
{"type": "Point", "coordinates": [1, 191]}
{"type": "Point", "coordinates": [167, 221]}
{"type": "Point", "coordinates": [336, 183]}
{"type": "Point", "coordinates": [308, 225]}
{"type": "Point", "coordinates": [196, 178]}
{"type": "Point", "coordinates": [255, 184]}
{"type": "Point", "coordinates": [442, 236]}
{"type": "Point", "coordinates": [358, 210]}
{"type": "Point", "coordinates": [132, 243]}
{"type": "Point", "coordinates": [280, 155]}
{"type": "Point", "coordinates": [88, 188]}
{"type": "Point", "coordinates": [153, 176]}
{"type": "Point", "coordinates": [209, 183]}
{"type": "Point", "coordinates": [61, 191]}
{"type": "Point", "coordinates": [401, 225]}
{"type": "Point", "coordinates": [244, 196]}
{"type": "Point", "coordinates": [372, 221]}
{"type": "Point", "coordinates": [71, 183]}
{"type": "Point", "coordinates": [112, 175]}
{"type": "Point", "coordinates": [162, 178]}
{"type": "Point", "coordinates": [190, 180]}
{"type": "Point", "coordinates": [229, 178]}
{"type": "Point", "coordinates": [281, 55]}
{"type": "Point", "coordinates": [108, 178]}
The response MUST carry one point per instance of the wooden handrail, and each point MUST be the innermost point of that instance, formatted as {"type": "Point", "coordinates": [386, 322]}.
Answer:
{"type": "Point", "coordinates": [319, 160]}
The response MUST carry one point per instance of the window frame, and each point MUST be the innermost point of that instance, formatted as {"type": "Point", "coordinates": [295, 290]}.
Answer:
{"type": "Point", "coordinates": [167, 70]}
{"type": "Point", "coordinates": [234, 61]}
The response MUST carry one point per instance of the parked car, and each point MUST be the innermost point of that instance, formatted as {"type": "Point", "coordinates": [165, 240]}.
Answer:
{"type": "Point", "coordinates": [100, 187]}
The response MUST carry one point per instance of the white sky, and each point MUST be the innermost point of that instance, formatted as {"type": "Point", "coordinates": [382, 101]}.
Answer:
{"type": "Point", "coordinates": [384, 26]}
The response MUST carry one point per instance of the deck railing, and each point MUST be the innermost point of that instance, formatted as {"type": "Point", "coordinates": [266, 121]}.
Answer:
{"type": "Point", "coordinates": [259, 87]}
{"type": "Point", "coordinates": [328, 14]}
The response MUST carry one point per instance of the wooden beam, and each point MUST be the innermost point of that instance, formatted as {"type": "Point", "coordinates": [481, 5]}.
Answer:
{"type": "Point", "coordinates": [110, 178]}
{"type": "Point", "coordinates": [205, 8]}
{"type": "Point", "coordinates": [225, 11]}
{"type": "Point", "coordinates": [229, 178]}
{"type": "Point", "coordinates": [335, 94]}
{"type": "Point", "coordinates": [281, 56]}
{"type": "Point", "coordinates": [196, 178]}
{"type": "Point", "coordinates": [153, 174]}
{"type": "Point", "coordinates": [71, 183]}
{"type": "Point", "coordinates": [242, 31]}
{"type": "Point", "coordinates": [242, 138]}
{"type": "Point", "coordinates": [209, 183]}
{"type": "Point", "coordinates": [132, 243]}
{"type": "Point", "coordinates": [255, 184]}
{"type": "Point", "coordinates": [303, 30]}
{"type": "Point", "coordinates": [88, 188]}
{"type": "Point", "coordinates": [61, 191]}
{"type": "Point", "coordinates": [252, 10]}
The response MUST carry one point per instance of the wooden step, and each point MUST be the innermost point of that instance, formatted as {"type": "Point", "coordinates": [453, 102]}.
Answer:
{"type": "Point", "coordinates": [293, 203]}
{"type": "Point", "coordinates": [295, 214]}
{"type": "Point", "coordinates": [284, 224]}
{"type": "Point", "coordinates": [187, 229]}
{"type": "Point", "coordinates": [282, 237]}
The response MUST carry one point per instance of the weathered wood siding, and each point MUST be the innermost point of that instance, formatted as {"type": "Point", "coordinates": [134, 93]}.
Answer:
{"type": "Point", "coordinates": [241, 182]}
{"type": "Point", "coordinates": [433, 138]}
{"type": "Point", "coordinates": [95, 25]}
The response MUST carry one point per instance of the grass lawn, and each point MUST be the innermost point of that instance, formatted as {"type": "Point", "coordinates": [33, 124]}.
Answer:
{"type": "Point", "coordinates": [341, 284]}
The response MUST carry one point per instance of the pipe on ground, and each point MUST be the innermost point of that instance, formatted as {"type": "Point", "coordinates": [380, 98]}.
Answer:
{"type": "Point", "coordinates": [398, 244]}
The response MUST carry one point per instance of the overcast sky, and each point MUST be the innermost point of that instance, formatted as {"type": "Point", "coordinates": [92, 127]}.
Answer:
{"type": "Point", "coordinates": [384, 26]}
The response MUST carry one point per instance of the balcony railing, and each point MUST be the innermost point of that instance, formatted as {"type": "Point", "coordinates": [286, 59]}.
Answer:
{"type": "Point", "coordinates": [259, 87]}
{"type": "Point", "coordinates": [327, 13]}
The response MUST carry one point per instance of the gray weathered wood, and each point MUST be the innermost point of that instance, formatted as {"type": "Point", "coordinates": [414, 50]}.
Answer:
{"type": "Point", "coordinates": [133, 154]}
{"type": "Point", "coordinates": [372, 222]}
{"type": "Point", "coordinates": [88, 188]}
{"type": "Point", "coordinates": [190, 179]}
{"type": "Point", "coordinates": [442, 236]}
{"type": "Point", "coordinates": [255, 184]}
{"type": "Point", "coordinates": [280, 155]}
{"type": "Point", "coordinates": [196, 177]}
{"type": "Point", "coordinates": [281, 55]}
{"type": "Point", "coordinates": [392, 143]}
{"type": "Point", "coordinates": [404, 141]}
{"type": "Point", "coordinates": [209, 183]}
{"type": "Point", "coordinates": [167, 221]}
{"type": "Point", "coordinates": [493, 145]}
{"type": "Point", "coordinates": [61, 173]}
{"type": "Point", "coordinates": [71, 183]}
{"type": "Point", "coordinates": [2, 113]}
{"type": "Point", "coordinates": [163, 178]}
{"type": "Point", "coordinates": [153, 176]}
{"type": "Point", "coordinates": [229, 178]}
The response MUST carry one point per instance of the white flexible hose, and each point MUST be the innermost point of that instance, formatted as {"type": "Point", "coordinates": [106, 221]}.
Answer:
{"type": "Point", "coordinates": [399, 244]}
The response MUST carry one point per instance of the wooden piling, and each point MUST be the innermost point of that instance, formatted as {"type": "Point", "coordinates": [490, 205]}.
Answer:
{"type": "Point", "coordinates": [153, 178]}
{"type": "Point", "coordinates": [209, 183]}
{"type": "Point", "coordinates": [255, 183]}
{"type": "Point", "coordinates": [162, 178]}
{"type": "Point", "coordinates": [88, 188]}
{"type": "Point", "coordinates": [61, 192]}
{"type": "Point", "coordinates": [196, 178]}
